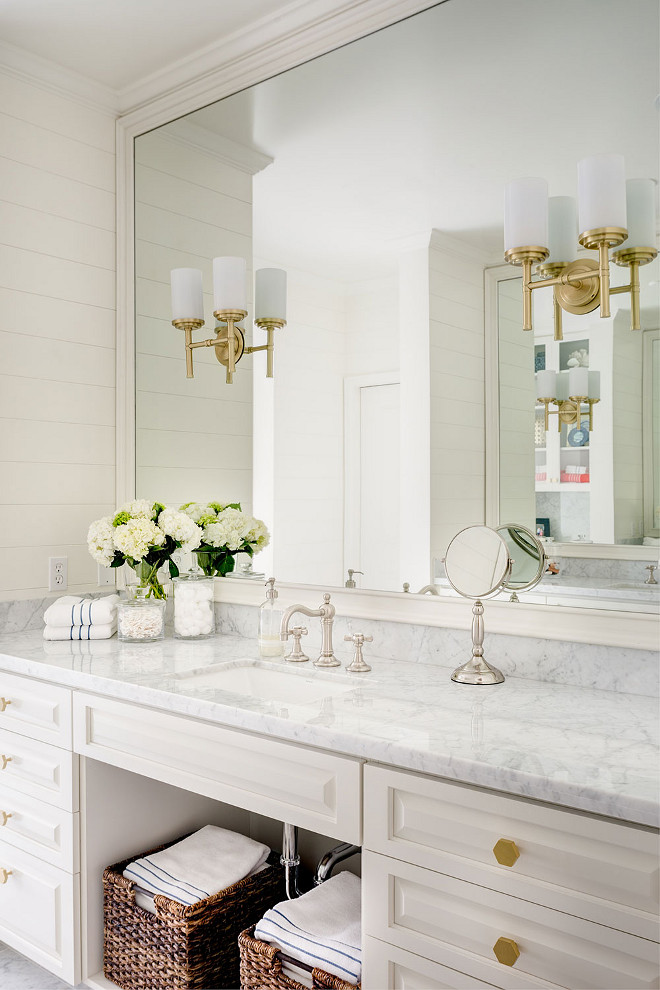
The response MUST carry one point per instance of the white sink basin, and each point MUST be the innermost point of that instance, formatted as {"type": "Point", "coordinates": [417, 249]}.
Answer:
{"type": "Point", "coordinates": [271, 682]}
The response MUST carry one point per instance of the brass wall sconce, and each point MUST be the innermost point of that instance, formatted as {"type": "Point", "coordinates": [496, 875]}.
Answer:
{"type": "Point", "coordinates": [543, 232]}
{"type": "Point", "coordinates": [570, 393]}
{"type": "Point", "coordinates": [229, 311]}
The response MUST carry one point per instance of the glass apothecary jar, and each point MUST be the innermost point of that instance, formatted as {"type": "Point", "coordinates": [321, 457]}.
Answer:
{"type": "Point", "coordinates": [194, 615]}
{"type": "Point", "coordinates": [140, 619]}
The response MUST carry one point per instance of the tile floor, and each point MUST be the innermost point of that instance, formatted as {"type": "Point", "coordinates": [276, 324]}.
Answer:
{"type": "Point", "coordinates": [18, 973]}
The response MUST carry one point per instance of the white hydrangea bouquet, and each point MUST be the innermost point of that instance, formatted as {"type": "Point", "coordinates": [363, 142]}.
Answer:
{"type": "Point", "coordinates": [143, 535]}
{"type": "Point", "coordinates": [226, 531]}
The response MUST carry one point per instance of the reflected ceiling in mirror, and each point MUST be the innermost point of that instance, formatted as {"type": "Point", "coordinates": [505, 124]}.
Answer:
{"type": "Point", "coordinates": [374, 175]}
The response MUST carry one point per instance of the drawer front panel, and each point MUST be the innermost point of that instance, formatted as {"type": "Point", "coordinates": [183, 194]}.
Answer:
{"type": "Point", "coordinates": [568, 861]}
{"type": "Point", "coordinates": [40, 829]}
{"type": "Point", "coordinates": [39, 770]}
{"type": "Point", "coordinates": [386, 967]}
{"type": "Point", "coordinates": [317, 791]}
{"type": "Point", "coordinates": [429, 914]}
{"type": "Point", "coordinates": [35, 709]}
{"type": "Point", "coordinates": [39, 912]}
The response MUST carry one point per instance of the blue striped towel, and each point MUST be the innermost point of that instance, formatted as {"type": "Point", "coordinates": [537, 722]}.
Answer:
{"type": "Point", "coordinates": [203, 864]}
{"type": "Point", "coordinates": [72, 610]}
{"type": "Point", "coordinates": [321, 928]}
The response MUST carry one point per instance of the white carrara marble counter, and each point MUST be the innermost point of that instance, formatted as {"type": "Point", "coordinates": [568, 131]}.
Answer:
{"type": "Point", "coordinates": [596, 751]}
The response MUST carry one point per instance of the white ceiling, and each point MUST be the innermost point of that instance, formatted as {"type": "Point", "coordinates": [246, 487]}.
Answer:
{"type": "Point", "coordinates": [120, 42]}
{"type": "Point", "coordinates": [420, 125]}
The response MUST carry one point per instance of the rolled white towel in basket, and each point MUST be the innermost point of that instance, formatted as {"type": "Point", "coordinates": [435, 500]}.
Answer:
{"type": "Point", "coordinates": [71, 610]}
{"type": "Point", "coordinates": [197, 867]}
{"type": "Point", "coordinates": [321, 928]}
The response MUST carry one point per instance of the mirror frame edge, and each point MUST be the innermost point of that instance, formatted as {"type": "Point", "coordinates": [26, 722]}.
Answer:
{"type": "Point", "coordinates": [636, 630]}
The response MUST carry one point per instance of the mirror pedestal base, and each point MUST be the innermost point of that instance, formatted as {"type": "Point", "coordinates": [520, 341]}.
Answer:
{"type": "Point", "coordinates": [476, 670]}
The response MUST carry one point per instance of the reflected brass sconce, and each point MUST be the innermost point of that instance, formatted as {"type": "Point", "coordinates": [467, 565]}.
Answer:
{"type": "Point", "coordinates": [569, 392]}
{"type": "Point", "coordinates": [541, 231]}
{"type": "Point", "coordinates": [230, 302]}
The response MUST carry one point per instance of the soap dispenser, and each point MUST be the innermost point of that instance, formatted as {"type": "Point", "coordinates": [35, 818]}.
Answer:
{"type": "Point", "coordinates": [270, 617]}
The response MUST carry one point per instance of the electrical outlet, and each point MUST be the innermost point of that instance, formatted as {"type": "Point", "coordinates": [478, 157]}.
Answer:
{"type": "Point", "coordinates": [106, 576]}
{"type": "Point", "coordinates": [57, 573]}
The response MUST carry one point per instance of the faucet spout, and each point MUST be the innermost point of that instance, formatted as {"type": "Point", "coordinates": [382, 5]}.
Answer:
{"type": "Point", "coordinates": [285, 632]}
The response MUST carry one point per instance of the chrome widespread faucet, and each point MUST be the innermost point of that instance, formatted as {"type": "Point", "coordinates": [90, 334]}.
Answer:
{"type": "Point", "coordinates": [326, 612]}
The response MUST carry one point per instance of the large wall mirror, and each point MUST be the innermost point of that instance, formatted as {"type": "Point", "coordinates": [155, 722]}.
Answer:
{"type": "Point", "coordinates": [374, 175]}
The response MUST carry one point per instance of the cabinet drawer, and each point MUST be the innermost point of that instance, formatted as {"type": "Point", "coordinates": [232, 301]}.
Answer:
{"type": "Point", "coordinates": [35, 709]}
{"type": "Point", "coordinates": [39, 770]}
{"type": "Point", "coordinates": [597, 869]}
{"type": "Point", "coordinates": [443, 918]}
{"type": "Point", "coordinates": [40, 829]}
{"type": "Point", "coordinates": [39, 908]}
{"type": "Point", "coordinates": [318, 791]}
{"type": "Point", "coordinates": [385, 967]}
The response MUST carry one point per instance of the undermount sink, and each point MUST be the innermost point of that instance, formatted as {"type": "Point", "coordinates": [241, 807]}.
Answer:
{"type": "Point", "coordinates": [272, 682]}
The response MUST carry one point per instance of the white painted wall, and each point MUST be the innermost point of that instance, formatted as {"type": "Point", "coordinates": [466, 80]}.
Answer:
{"type": "Point", "coordinates": [57, 332]}
{"type": "Point", "coordinates": [628, 432]}
{"type": "Point", "coordinates": [193, 436]}
{"type": "Point", "coordinates": [457, 440]}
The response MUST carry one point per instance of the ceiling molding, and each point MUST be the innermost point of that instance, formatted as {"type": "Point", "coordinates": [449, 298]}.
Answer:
{"type": "Point", "coordinates": [297, 33]}
{"type": "Point", "coordinates": [200, 139]}
{"type": "Point", "coordinates": [55, 78]}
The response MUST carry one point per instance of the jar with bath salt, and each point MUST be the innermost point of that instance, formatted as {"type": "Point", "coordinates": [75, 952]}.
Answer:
{"type": "Point", "coordinates": [140, 619]}
{"type": "Point", "coordinates": [194, 616]}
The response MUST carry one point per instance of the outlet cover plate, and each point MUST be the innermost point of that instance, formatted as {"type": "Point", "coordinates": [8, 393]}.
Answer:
{"type": "Point", "coordinates": [58, 577]}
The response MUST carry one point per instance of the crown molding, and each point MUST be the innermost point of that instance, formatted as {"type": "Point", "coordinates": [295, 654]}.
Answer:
{"type": "Point", "coordinates": [297, 33]}
{"type": "Point", "coordinates": [200, 139]}
{"type": "Point", "coordinates": [55, 78]}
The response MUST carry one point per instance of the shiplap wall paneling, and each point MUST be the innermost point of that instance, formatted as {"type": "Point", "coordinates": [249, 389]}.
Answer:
{"type": "Point", "coordinates": [194, 436]}
{"type": "Point", "coordinates": [57, 335]}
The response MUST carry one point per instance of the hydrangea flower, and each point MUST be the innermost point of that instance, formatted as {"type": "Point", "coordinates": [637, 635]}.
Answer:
{"type": "Point", "coordinates": [226, 531]}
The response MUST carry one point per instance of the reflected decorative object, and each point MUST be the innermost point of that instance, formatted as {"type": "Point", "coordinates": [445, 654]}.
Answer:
{"type": "Point", "coordinates": [225, 531]}
{"type": "Point", "coordinates": [570, 392]}
{"type": "Point", "coordinates": [542, 231]}
{"type": "Point", "coordinates": [528, 558]}
{"type": "Point", "coordinates": [229, 309]}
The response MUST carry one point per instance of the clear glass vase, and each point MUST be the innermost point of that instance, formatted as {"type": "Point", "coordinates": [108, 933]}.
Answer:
{"type": "Point", "coordinates": [141, 619]}
{"type": "Point", "coordinates": [194, 614]}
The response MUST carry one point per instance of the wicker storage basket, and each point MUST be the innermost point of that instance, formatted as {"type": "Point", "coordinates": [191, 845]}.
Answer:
{"type": "Point", "coordinates": [182, 946]}
{"type": "Point", "coordinates": [261, 969]}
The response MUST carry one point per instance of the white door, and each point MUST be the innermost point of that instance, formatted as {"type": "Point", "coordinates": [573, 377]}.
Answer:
{"type": "Point", "coordinates": [372, 483]}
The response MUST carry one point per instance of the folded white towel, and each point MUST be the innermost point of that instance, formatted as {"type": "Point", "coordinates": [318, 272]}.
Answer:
{"type": "Point", "coordinates": [99, 631]}
{"type": "Point", "coordinates": [321, 928]}
{"type": "Point", "coordinates": [197, 867]}
{"type": "Point", "coordinates": [72, 610]}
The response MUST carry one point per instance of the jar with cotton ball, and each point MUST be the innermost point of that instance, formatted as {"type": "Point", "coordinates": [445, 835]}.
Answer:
{"type": "Point", "coordinates": [194, 615]}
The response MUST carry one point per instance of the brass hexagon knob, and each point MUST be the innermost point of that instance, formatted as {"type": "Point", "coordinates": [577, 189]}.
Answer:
{"type": "Point", "coordinates": [506, 852]}
{"type": "Point", "coordinates": [506, 951]}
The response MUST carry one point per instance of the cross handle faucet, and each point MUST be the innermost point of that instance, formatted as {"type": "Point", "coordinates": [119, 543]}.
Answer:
{"type": "Point", "coordinates": [326, 613]}
{"type": "Point", "coordinates": [651, 578]}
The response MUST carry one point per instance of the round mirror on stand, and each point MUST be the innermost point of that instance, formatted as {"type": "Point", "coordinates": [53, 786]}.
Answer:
{"type": "Point", "coordinates": [528, 558]}
{"type": "Point", "coordinates": [478, 565]}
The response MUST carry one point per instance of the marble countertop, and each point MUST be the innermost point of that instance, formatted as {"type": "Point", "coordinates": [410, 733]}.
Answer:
{"type": "Point", "coordinates": [582, 748]}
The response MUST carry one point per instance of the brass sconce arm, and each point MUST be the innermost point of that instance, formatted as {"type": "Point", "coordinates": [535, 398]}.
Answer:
{"type": "Point", "coordinates": [229, 340]}
{"type": "Point", "coordinates": [269, 324]}
{"type": "Point", "coordinates": [568, 411]}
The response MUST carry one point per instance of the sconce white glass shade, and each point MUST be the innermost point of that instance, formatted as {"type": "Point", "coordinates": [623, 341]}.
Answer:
{"type": "Point", "coordinates": [526, 213]}
{"type": "Point", "coordinates": [640, 203]}
{"type": "Point", "coordinates": [562, 229]}
{"type": "Point", "coordinates": [594, 385]}
{"type": "Point", "coordinates": [187, 296]}
{"type": "Point", "coordinates": [270, 294]}
{"type": "Point", "coordinates": [578, 381]}
{"type": "Point", "coordinates": [229, 283]}
{"type": "Point", "coordinates": [546, 384]}
{"type": "Point", "coordinates": [562, 386]}
{"type": "Point", "coordinates": [601, 192]}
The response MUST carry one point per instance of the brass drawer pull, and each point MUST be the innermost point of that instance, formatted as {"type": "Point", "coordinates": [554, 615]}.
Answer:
{"type": "Point", "coordinates": [3, 703]}
{"type": "Point", "coordinates": [6, 815]}
{"type": "Point", "coordinates": [506, 852]}
{"type": "Point", "coordinates": [5, 761]}
{"type": "Point", "coordinates": [5, 875]}
{"type": "Point", "coordinates": [506, 951]}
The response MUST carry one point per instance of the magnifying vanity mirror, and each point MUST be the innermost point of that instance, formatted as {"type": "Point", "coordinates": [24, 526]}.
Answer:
{"type": "Point", "coordinates": [481, 562]}
{"type": "Point", "coordinates": [374, 175]}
